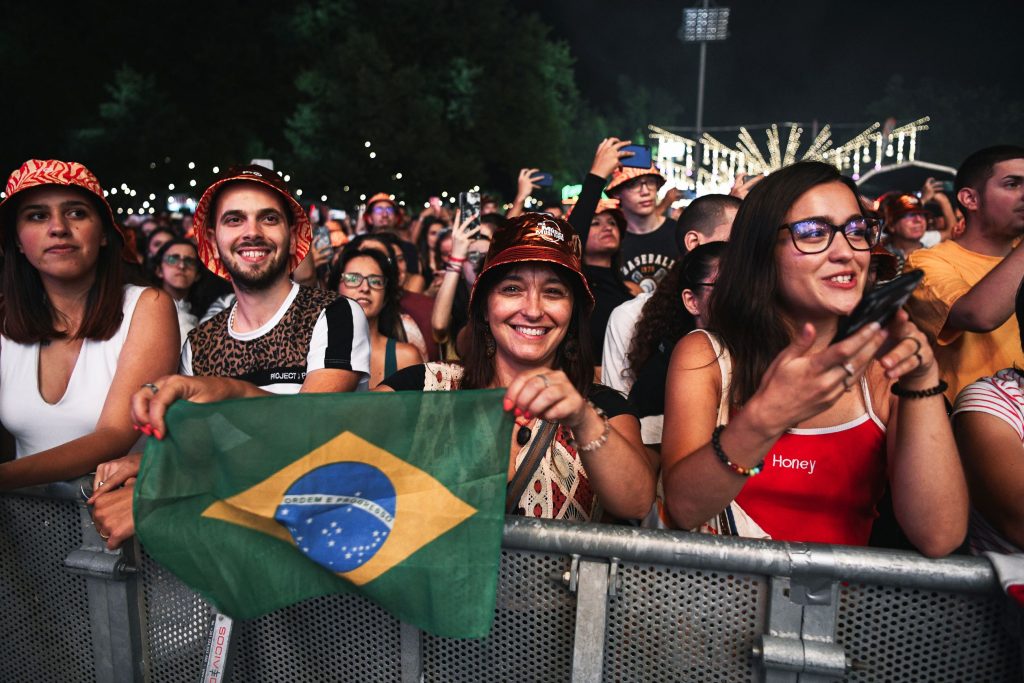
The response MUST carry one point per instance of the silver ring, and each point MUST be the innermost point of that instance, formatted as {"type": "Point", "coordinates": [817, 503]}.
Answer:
{"type": "Point", "coordinates": [149, 385]}
{"type": "Point", "coordinates": [100, 484]}
{"type": "Point", "coordinates": [846, 383]}
{"type": "Point", "coordinates": [105, 538]}
{"type": "Point", "coordinates": [920, 360]}
{"type": "Point", "coordinates": [848, 369]}
{"type": "Point", "coordinates": [913, 339]}
{"type": "Point", "coordinates": [544, 378]}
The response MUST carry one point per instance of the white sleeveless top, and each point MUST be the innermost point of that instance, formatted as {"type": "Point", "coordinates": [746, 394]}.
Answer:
{"type": "Point", "coordinates": [38, 425]}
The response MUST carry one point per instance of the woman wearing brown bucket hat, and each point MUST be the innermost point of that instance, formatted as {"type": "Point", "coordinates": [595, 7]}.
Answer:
{"type": "Point", "coordinates": [77, 340]}
{"type": "Point", "coordinates": [577, 445]}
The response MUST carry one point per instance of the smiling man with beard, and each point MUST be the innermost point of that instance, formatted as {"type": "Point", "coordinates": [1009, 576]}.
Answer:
{"type": "Point", "coordinates": [278, 337]}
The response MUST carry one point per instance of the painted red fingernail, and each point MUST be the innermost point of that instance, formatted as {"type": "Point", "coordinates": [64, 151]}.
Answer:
{"type": "Point", "coordinates": [528, 416]}
{"type": "Point", "coordinates": [135, 427]}
{"type": "Point", "coordinates": [507, 404]}
{"type": "Point", "coordinates": [519, 413]}
{"type": "Point", "coordinates": [159, 436]}
{"type": "Point", "coordinates": [147, 430]}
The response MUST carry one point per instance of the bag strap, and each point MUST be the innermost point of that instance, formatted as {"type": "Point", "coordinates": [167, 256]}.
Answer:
{"type": "Point", "coordinates": [523, 475]}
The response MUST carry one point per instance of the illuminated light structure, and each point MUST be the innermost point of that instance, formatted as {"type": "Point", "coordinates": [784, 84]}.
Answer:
{"type": "Point", "coordinates": [720, 164]}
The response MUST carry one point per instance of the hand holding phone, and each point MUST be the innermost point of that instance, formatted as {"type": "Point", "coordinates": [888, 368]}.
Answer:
{"type": "Point", "coordinates": [641, 156]}
{"type": "Point", "coordinates": [469, 206]}
{"type": "Point", "coordinates": [879, 304]}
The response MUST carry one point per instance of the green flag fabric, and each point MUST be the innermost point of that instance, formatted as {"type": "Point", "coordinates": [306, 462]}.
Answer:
{"type": "Point", "coordinates": [260, 503]}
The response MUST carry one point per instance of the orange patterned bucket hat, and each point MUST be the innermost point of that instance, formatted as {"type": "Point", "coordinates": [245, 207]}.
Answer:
{"type": "Point", "coordinates": [39, 172]}
{"type": "Point", "coordinates": [624, 174]}
{"type": "Point", "coordinates": [256, 174]}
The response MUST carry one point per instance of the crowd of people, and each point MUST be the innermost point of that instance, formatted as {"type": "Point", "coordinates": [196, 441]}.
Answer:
{"type": "Point", "coordinates": [672, 367]}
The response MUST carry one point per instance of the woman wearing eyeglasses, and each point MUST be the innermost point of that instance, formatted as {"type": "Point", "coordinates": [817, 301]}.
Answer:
{"type": "Point", "coordinates": [773, 431]}
{"type": "Point", "coordinates": [371, 281]}
{"type": "Point", "coordinates": [177, 267]}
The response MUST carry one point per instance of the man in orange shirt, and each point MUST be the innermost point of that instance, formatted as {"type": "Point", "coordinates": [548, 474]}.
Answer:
{"type": "Point", "coordinates": [965, 302]}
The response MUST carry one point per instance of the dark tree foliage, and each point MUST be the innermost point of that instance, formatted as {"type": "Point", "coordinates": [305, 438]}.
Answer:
{"type": "Point", "coordinates": [449, 94]}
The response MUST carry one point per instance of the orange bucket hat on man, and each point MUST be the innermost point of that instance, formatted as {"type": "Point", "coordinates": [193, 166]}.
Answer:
{"type": "Point", "coordinates": [253, 173]}
{"type": "Point", "coordinates": [40, 172]}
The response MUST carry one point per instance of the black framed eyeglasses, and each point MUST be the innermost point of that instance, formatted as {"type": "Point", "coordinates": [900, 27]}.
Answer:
{"type": "Point", "coordinates": [815, 235]}
{"type": "Point", "coordinates": [353, 280]}
{"type": "Point", "coordinates": [189, 262]}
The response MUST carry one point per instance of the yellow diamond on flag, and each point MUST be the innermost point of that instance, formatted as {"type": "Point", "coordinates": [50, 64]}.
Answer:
{"type": "Point", "coordinates": [349, 505]}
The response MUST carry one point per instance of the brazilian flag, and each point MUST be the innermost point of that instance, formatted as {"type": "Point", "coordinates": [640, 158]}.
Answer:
{"type": "Point", "coordinates": [260, 503]}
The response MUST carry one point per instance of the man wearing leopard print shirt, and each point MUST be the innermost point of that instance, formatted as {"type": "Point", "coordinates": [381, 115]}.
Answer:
{"type": "Point", "coordinates": [278, 337]}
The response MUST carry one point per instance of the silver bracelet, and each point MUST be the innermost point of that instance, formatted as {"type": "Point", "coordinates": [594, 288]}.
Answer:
{"type": "Point", "coordinates": [601, 440]}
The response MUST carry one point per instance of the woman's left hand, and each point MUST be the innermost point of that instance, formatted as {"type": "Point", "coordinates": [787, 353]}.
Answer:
{"type": "Point", "coordinates": [908, 356]}
{"type": "Point", "coordinates": [548, 395]}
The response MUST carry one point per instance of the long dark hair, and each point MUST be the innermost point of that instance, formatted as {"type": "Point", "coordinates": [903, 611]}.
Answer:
{"type": "Point", "coordinates": [573, 356]}
{"type": "Point", "coordinates": [422, 249]}
{"type": "Point", "coordinates": [744, 307]}
{"type": "Point", "coordinates": [202, 273]}
{"type": "Point", "coordinates": [26, 315]}
{"type": "Point", "coordinates": [389, 322]}
{"type": "Point", "coordinates": [664, 320]}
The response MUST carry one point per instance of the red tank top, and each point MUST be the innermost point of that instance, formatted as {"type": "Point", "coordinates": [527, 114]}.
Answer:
{"type": "Point", "coordinates": [821, 485]}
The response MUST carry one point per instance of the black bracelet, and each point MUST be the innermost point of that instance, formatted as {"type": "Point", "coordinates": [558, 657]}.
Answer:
{"type": "Point", "coordinates": [921, 393]}
{"type": "Point", "coordinates": [716, 443]}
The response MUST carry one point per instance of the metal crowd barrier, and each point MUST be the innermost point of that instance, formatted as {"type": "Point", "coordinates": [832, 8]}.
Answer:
{"type": "Point", "coordinates": [575, 602]}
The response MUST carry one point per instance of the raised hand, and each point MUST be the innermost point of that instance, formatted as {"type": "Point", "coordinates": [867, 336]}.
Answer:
{"type": "Point", "coordinates": [608, 156]}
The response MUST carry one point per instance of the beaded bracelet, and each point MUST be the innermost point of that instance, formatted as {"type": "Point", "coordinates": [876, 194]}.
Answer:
{"type": "Point", "coordinates": [601, 440]}
{"type": "Point", "coordinates": [716, 443]}
{"type": "Point", "coordinates": [919, 393]}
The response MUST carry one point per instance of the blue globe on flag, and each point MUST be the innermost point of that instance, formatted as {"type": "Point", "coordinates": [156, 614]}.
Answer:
{"type": "Point", "coordinates": [340, 514]}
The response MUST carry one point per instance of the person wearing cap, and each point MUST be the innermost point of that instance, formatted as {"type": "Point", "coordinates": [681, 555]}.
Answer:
{"type": "Point", "coordinates": [965, 301]}
{"type": "Point", "coordinates": [528, 315]}
{"type": "Point", "coordinates": [77, 340]}
{"type": "Point", "coordinates": [383, 215]}
{"type": "Point", "coordinates": [278, 337]}
{"type": "Point", "coordinates": [651, 244]}
{"type": "Point", "coordinates": [905, 221]}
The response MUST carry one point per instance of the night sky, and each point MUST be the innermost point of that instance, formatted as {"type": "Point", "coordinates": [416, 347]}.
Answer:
{"type": "Point", "coordinates": [799, 60]}
{"type": "Point", "coordinates": [790, 61]}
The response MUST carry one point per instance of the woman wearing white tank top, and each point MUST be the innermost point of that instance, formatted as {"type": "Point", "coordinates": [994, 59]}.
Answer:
{"type": "Point", "coordinates": [76, 340]}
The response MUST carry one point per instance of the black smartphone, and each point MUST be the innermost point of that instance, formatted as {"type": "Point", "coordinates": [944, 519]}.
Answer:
{"type": "Point", "coordinates": [641, 156]}
{"type": "Point", "coordinates": [880, 304]}
{"type": "Point", "coordinates": [469, 205]}
{"type": "Point", "coordinates": [544, 179]}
